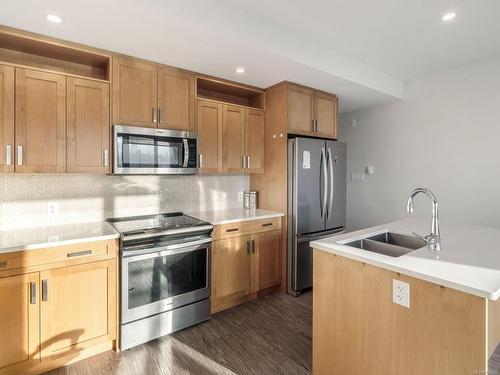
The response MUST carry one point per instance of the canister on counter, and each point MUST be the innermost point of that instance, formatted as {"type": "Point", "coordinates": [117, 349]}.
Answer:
{"type": "Point", "coordinates": [250, 199]}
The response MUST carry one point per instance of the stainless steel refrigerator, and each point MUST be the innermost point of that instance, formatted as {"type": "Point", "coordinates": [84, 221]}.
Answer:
{"type": "Point", "coordinates": [316, 202]}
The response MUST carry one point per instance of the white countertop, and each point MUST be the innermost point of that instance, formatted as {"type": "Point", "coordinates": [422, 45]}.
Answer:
{"type": "Point", "coordinates": [55, 235]}
{"type": "Point", "coordinates": [234, 215]}
{"type": "Point", "coordinates": [469, 259]}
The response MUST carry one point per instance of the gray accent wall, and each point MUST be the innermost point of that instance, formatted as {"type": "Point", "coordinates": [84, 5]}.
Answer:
{"type": "Point", "coordinates": [445, 136]}
{"type": "Point", "coordinates": [24, 198]}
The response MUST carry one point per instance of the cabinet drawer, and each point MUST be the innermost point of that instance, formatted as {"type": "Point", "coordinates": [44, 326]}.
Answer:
{"type": "Point", "coordinates": [71, 254]}
{"type": "Point", "coordinates": [246, 227]}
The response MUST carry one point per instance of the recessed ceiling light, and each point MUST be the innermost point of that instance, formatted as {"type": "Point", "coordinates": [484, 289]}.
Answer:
{"type": "Point", "coordinates": [449, 16]}
{"type": "Point", "coordinates": [240, 70]}
{"type": "Point", "coordinates": [54, 18]}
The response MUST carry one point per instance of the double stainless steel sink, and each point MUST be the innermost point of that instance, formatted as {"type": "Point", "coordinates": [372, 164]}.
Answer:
{"type": "Point", "coordinates": [388, 243]}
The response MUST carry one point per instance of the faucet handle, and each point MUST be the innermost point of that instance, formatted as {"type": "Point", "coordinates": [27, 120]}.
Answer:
{"type": "Point", "coordinates": [433, 242]}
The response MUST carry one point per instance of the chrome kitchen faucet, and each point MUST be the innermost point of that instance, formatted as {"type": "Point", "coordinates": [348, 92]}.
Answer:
{"type": "Point", "coordinates": [433, 239]}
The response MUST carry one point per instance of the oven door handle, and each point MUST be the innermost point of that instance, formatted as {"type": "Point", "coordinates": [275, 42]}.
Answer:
{"type": "Point", "coordinates": [165, 250]}
{"type": "Point", "coordinates": [186, 153]}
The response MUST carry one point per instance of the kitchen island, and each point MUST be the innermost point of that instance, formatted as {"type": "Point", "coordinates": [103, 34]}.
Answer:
{"type": "Point", "coordinates": [451, 324]}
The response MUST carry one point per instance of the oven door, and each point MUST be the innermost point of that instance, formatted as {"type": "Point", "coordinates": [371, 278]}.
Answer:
{"type": "Point", "coordinates": [164, 278]}
{"type": "Point", "coordinates": [153, 151]}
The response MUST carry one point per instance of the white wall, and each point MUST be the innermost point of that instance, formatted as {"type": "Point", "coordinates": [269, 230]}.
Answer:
{"type": "Point", "coordinates": [445, 135]}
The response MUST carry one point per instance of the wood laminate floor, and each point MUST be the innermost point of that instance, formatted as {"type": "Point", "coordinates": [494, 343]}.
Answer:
{"type": "Point", "coordinates": [271, 335]}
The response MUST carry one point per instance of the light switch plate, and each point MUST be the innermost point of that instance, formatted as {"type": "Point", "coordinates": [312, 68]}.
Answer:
{"type": "Point", "coordinates": [52, 208]}
{"type": "Point", "coordinates": [401, 293]}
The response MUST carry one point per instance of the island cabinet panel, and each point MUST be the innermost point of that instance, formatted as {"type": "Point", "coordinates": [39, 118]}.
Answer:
{"type": "Point", "coordinates": [19, 314]}
{"type": "Point", "coordinates": [40, 121]}
{"type": "Point", "coordinates": [230, 271]}
{"type": "Point", "coordinates": [233, 139]}
{"type": "Point", "coordinates": [88, 129]}
{"type": "Point", "coordinates": [135, 92]}
{"type": "Point", "coordinates": [176, 92]}
{"type": "Point", "coordinates": [6, 118]}
{"type": "Point", "coordinates": [78, 309]}
{"type": "Point", "coordinates": [357, 329]}
{"type": "Point", "coordinates": [209, 119]}
{"type": "Point", "coordinates": [255, 141]}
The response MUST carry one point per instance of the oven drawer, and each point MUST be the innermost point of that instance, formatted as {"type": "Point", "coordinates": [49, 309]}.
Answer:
{"type": "Point", "coordinates": [70, 254]}
{"type": "Point", "coordinates": [246, 227]}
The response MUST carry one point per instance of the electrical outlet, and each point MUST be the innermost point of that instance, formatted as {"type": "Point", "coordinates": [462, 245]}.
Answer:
{"type": "Point", "coordinates": [357, 177]}
{"type": "Point", "coordinates": [401, 293]}
{"type": "Point", "coordinates": [240, 196]}
{"type": "Point", "coordinates": [52, 208]}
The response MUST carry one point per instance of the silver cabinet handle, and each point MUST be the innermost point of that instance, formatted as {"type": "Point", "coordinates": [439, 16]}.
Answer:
{"type": "Point", "coordinates": [79, 253]}
{"type": "Point", "coordinates": [186, 153]}
{"type": "Point", "coordinates": [248, 162]}
{"type": "Point", "coordinates": [45, 290]}
{"type": "Point", "coordinates": [313, 125]}
{"type": "Point", "coordinates": [32, 293]}
{"type": "Point", "coordinates": [8, 155]}
{"type": "Point", "coordinates": [153, 111]}
{"type": "Point", "coordinates": [159, 116]}
{"type": "Point", "coordinates": [248, 247]}
{"type": "Point", "coordinates": [253, 246]}
{"type": "Point", "coordinates": [243, 161]}
{"type": "Point", "coordinates": [19, 155]}
{"type": "Point", "coordinates": [201, 161]}
{"type": "Point", "coordinates": [317, 124]}
{"type": "Point", "coordinates": [106, 158]}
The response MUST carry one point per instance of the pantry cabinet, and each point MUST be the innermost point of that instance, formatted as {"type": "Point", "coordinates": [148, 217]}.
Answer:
{"type": "Point", "coordinates": [6, 118]}
{"type": "Point", "coordinates": [245, 261]}
{"type": "Point", "coordinates": [88, 126]}
{"type": "Point", "coordinates": [311, 112]}
{"type": "Point", "coordinates": [40, 128]}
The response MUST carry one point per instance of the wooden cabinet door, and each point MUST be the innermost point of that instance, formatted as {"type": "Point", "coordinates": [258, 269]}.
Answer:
{"type": "Point", "coordinates": [300, 109]}
{"type": "Point", "coordinates": [255, 141]}
{"type": "Point", "coordinates": [88, 130]}
{"type": "Point", "coordinates": [135, 93]}
{"type": "Point", "coordinates": [6, 118]}
{"type": "Point", "coordinates": [78, 308]}
{"type": "Point", "coordinates": [230, 270]}
{"type": "Point", "coordinates": [233, 138]}
{"type": "Point", "coordinates": [19, 321]}
{"type": "Point", "coordinates": [209, 136]}
{"type": "Point", "coordinates": [268, 246]}
{"type": "Point", "coordinates": [40, 122]}
{"type": "Point", "coordinates": [176, 99]}
{"type": "Point", "coordinates": [326, 115]}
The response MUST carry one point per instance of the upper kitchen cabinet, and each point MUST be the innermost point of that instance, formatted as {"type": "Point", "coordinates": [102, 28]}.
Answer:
{"type": "Point", "coordinates": [151, 95]}
{"type": "Point", "coordinates": [135, 93]}
{"type": "Point", "coordinates": [209, 119]}
{"type": "Point", "coordinates": [311, 112]}
{"type": "Point", "coordinates": [233, 139]}
{"type": "Point", "coordinates": [176, 92]}
{"type": "Point", "coordinates": [6, 118]}
{"type": "Point", "coordinates": [40, 108]}
{"type": "Point", "coordinates": [254, 141]}
{"type": "Point", "coordinates": [88, 127]}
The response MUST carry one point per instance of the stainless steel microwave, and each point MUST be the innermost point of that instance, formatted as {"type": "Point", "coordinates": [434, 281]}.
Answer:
{"type": "Point", "coordinates": [153, 151]}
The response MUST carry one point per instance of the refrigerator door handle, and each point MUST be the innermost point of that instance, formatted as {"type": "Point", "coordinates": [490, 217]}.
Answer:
{"type": "Point", "coordinates": [330, 164]}
{"type": "Point", "coordinates": [325, 183]}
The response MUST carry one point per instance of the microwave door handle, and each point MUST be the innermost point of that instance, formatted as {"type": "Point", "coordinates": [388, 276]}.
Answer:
{"type": "Point", "coordinates": [186, 153]}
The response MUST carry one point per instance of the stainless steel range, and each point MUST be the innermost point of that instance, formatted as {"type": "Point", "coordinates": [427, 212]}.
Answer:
{"type": "Point", "coordinates": [165, 275]}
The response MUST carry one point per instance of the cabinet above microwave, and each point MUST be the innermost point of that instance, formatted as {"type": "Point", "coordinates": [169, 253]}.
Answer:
{"type": "Point", "coordinates": [149, 151]}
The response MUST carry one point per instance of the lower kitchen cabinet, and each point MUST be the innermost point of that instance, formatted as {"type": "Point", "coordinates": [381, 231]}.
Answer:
{"type": "Point", "coordinates": [62, 312]}
{"type": "Point", "coordinates": [77, 308]}
{"type": "Point", "coordinates": [244, 265]}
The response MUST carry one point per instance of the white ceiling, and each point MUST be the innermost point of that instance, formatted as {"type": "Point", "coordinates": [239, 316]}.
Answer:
{"type": "Point", "coordinates": [361, 50]}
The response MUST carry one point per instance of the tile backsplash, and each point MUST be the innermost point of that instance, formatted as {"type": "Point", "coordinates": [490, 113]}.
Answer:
{"type": "Point", "coordinates": [25, 198]}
